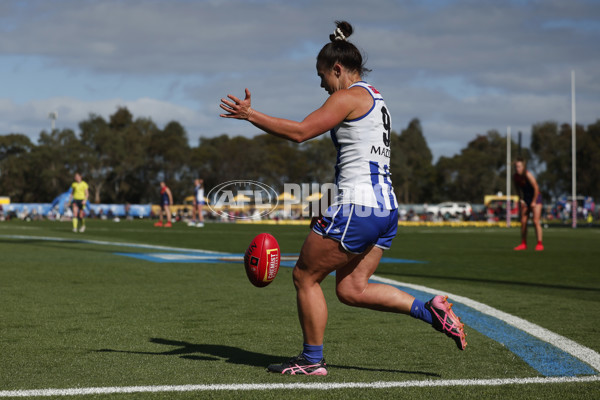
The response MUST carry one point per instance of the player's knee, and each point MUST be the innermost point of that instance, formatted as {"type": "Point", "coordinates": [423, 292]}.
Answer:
{"type": "Point", "coordinates": [348, 296]}
{"type": "Point", "coordinates": [305, 276]}
{"type": "Point", "coordinates": [297, 276]}
{"type": "Point", "coordinates": [345, 298]}
{"type": "Point", "coordinates": [300, 274]}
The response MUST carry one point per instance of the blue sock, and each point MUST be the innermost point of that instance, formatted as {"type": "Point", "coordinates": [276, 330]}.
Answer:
{"type": "Point", "coordinates": [313, 353]}
{"type": "Point", "coordinates": [418, 310]}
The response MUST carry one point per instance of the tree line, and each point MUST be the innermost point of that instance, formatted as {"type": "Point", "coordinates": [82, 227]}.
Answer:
{"type": "Point", "coordinates": [123, 160]}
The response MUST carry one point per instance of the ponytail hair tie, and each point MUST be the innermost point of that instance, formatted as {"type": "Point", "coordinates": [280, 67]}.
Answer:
{"type": "Point", "coordinates": [339, 35]}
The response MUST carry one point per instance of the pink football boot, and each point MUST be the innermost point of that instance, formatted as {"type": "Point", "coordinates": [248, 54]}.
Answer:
{"type": "Point", "coordinates": [444, 320]}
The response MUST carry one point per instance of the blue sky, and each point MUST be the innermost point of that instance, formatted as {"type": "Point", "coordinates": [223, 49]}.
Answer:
{"type": "Point", "coordinates": [461, 67]}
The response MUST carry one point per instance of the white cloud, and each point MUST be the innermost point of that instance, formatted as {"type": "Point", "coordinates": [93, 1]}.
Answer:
{"type": "Point", "coordinates": [32, 117]}
{"type": "Point", "coordinates": [463, 67]}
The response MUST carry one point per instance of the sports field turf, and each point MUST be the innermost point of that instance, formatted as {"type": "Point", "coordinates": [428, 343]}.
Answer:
{"type": "Point", "coordinates": [80, 313]}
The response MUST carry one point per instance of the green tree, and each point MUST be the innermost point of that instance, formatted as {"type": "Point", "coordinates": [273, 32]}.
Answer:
{"type": "Point", "coordinates": [123, 159]}
{"type": "Point", "coordinates": [319, 158]}
{"type": "Point", "coordinates": [588, 165]}
{"type": "Point", "coordinates": [478, 170]}
{"type": "Point", "coordinates": [208, 160]}
{"type": "Point", "coordinates": [278, 161]}
{"type": "Point", "coordinates": [551, 145]}
{"type": "Point", "coordinates": [552, 149]}
{"type": "Point", "coordinates": [117, 165]}
{"type": "Point", "coordinates": [97, 138]}
{"type": "Point", "coordinates": [57, 157]}
{"type": "Point", "coordinates": [413, 172]}
{"type": "Point", "coordinates": [15, 161]}
{"type": "Point", "coordinates": [169, 152]}
{"type": "Point", "coordinates": [132, 173]}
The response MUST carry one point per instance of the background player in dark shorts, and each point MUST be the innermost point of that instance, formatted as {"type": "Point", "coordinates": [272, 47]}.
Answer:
{"type": "Point", "coordinates": [530, 203]}
{"type": "Point", "coordinates": [166, 199]}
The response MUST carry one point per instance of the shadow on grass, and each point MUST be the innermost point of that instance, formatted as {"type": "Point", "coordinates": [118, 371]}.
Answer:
{"type": "Point", "coordinates": [235, 355]}
{"type": "Point", "coordinates": [207, 352]}
{"type": "Point", "coordinates": [493, 281]}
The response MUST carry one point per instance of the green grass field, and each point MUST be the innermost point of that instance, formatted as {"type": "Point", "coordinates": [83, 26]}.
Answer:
{"type": "Point", "coordinates": [77, 315]}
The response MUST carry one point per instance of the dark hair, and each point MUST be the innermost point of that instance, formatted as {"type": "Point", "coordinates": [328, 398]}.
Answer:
{"type": "Point", "coordinates": [521, 160]}
{"type": "Point", "coordinates": [341, 50]}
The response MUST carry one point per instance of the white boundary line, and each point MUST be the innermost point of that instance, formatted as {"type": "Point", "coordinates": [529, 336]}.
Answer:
{"type": "Point", "coordinates": [575, 349]}
{"type": "Point", "coordinates": [295, 386]}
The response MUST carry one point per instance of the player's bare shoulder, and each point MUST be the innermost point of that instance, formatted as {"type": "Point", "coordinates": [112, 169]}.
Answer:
{"type": "Point", "coordinates": [361, 101]}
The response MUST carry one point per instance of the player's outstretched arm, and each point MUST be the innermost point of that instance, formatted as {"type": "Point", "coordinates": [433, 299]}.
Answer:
{"type": "Point", "coordinates": [329, 115]}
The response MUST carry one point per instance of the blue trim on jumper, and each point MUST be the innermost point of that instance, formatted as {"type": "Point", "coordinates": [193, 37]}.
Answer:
{"type": "Point", "coordinates": [387, 174]}
{"type": "Point", "coordinates": [338, 148]}
{"type": "Point", "coordinates": [372, 107]}
{"type": "Point", "coordinates": [374, 168]}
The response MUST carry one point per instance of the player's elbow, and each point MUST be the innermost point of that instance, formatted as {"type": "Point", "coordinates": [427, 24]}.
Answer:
{"type": "Point", "coordinates": [303, 136]}
{"type": "Point", "coordinates": [296, 137]}
{"type": "Point", "coordinates": [299, 139]}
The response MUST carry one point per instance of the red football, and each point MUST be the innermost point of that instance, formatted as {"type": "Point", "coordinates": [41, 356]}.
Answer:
{"type": "Point", "coordinates": [262, 260]}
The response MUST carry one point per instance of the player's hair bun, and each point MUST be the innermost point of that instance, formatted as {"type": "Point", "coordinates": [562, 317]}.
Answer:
{"type": "Point", "coordinates": [340, 49]}
{"type": "Point", "coordinates": [342, 31]}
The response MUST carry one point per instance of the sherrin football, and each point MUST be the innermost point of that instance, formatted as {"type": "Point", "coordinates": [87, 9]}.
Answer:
{"type": "Point", "coordinates": [262, 260]}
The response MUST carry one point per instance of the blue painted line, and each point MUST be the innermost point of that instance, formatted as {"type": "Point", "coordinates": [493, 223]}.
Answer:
{"type": "Point", "coordinates": [181, 257]}
{"type": "Point", "coordinates": [389, 260]}
{"type": "Point", "coordinates": [289, 264]}
{"type": "Point", "coordinates": [545, 358]}
{"type": "Point", "coordinates": [206, 257]}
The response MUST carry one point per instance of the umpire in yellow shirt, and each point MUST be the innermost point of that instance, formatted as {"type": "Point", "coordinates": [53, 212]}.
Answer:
{"type": "Point", "coordinates": [78, 197]}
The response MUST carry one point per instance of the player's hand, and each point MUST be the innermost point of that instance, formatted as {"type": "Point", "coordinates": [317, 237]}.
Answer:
{"type": "Point", "coordinates": [236, 108]}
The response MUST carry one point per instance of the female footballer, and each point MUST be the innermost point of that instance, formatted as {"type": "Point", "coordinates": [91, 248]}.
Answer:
{"type": "Point", "coordinates": [351, 236]}
{"type": "Point", "coordinates": [530, 202]}
{"type": "Point", "coordinates": [78, 199]}
{"type": "Point", "coordinates": [166, 201]}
